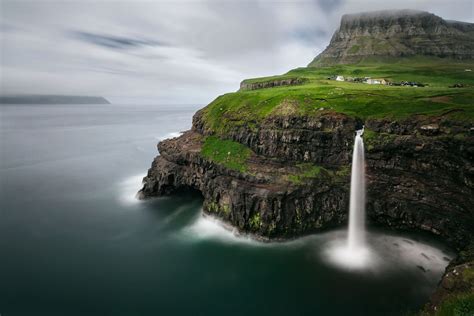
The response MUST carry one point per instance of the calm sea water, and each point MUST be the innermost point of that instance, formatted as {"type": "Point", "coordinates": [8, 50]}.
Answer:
{"type": "Point", "coordinates": [74, 241]}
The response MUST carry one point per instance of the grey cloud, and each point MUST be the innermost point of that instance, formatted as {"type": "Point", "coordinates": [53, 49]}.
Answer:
{"type": "Point", "coordinates": [330, 5]}
{"type": "Point", "coordinates": [310, 35]}
{"type": "Point", "coordinates": [115, 42]}
{"type": "Point", "coordinates": [177, 51]}
{"type": "Point", "coordinates": [112, 71]}
{"type": "Point", "coordinates": [7, 27]}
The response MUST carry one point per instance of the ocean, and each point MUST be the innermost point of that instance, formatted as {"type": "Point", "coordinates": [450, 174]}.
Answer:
{"type": "Point", "coordinates": [75, 241]}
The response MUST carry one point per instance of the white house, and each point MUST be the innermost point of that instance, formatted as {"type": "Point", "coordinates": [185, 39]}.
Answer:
{"type": "Point", "coordinates": [376, 81]}
{"type": "Point", "coordinates": [340, 78]}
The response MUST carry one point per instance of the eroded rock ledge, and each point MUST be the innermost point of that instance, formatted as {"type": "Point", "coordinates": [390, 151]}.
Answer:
{"type": "Point", "coordinates": [271, 83]}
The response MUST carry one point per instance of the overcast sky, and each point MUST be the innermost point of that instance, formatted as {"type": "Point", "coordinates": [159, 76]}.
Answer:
{"type": "Point", "coordinates": [170, 51]}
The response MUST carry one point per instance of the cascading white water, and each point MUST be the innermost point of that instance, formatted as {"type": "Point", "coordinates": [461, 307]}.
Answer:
{"type": "Point", "coordinates": [353, 252]}
{"type": "Point", "coordinates": [356, 235]}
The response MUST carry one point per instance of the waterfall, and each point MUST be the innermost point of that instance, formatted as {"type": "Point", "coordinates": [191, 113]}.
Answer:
{"type": "Point", "coordinates": [356, 235]}
{"type": "Point", "coordinates": [352, 252]}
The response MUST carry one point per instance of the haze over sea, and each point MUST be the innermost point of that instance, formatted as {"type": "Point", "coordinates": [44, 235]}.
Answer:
{"type": "Point", "coordinates": [74, 241]}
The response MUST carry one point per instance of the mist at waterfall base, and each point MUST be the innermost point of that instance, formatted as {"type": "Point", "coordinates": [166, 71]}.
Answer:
{"type": "Point", "coordinates": [74, 241]}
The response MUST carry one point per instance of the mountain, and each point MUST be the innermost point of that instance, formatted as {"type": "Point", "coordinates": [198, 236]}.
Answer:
{"type": "Point", "coordinates": [52, 99]}
{"type": "Point", "coordinates": [397, 34]}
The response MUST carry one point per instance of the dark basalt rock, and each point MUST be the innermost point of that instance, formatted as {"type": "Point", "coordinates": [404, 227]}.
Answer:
{"type": "Point", "coordinates": [418, 177]}
{"type": "Point", "coordinates": [325, 139]}
{"type": "Point", "coordinates": [456, 282]}
{"type": "Point", "coordinates": [260, 203]}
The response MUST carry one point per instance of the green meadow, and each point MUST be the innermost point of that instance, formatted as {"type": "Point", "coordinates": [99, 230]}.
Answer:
{"type": "Point", "coordinates": [318, 94]}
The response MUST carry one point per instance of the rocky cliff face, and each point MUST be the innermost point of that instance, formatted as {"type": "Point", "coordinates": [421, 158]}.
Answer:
{"type": "Point", "coordinates": [396, 34]}
{"type": "Point", "coordinates": [270, 84]}
{"type": "Point", "coordinates": [263, 200]}
{"type": "Point", "coordinates": [420, 175]}
{"type": "Point", "coordinates": [324, 139]}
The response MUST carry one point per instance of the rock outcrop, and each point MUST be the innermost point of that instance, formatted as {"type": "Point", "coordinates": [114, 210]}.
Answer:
{"type": "Point", "coordinates": [420, 175]}
{"type": "Point", "coordinates": [244, 85]}
{"type": "Point", "coordinates": [397, 34]}
{"type": "Point", "coordinates": [455, 292]}
{"type": "Point", "coordinates": [264, 200]}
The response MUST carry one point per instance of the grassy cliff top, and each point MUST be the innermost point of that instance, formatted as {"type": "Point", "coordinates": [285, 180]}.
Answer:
{"type": "Point", "coordinates": [364, 101]}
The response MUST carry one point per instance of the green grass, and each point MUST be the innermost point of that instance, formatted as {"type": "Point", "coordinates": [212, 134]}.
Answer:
{"type": "Point", "coordinates": [459, 305]}
{"type": "Point", "coordinates": [343, 171]}
{"type": "Point", "coordinates": [306, 171]}
{"type": "Point", "coordinates": [270, 78]}
{"type": "Point", "coordinates": [436, 72]}
{"type": "Point", "coordinates": [228, 153]}
{"type": "Point", "coordinates": [354, 49]}
{"type": "Point", "coordinates": [255, 221]}
{"type": "Point", "coordinates": [372, 138]}
{"type": "Point", "coordinates": [369, 135]}
{"type": "Point", "coordinates": [214, 207]}
{"type": "Point", "coordinates": [468, 275]}
{"type": "Point", "coordinates": [460, 302]}
{"type": "Point", "coordinates": [250, 108]}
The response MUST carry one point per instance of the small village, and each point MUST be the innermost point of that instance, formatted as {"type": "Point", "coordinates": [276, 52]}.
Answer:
{"type": "Point", "coordinates": [381, 81]}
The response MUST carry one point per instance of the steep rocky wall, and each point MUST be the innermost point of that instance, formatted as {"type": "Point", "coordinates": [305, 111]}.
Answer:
{"type": "Point", "coordinates": [325, 139]}
{"type": "Point", "coordinates": [420, 175]}
{"type": "Point", "coordinates": [251, 202]}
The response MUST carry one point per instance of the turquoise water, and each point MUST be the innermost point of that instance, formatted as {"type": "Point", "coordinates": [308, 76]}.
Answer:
{"type": "Point", "coordinates": [74, 241]}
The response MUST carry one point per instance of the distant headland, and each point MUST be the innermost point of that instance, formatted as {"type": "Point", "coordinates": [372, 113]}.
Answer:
{"type": "Point", "coordinates": [52, 99]}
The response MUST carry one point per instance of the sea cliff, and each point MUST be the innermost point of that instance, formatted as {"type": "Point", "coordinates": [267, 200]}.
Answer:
{"type": "Point", "coordinates": [273, 159]}
{"type": "Point", "coordinates": [295, 178]}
